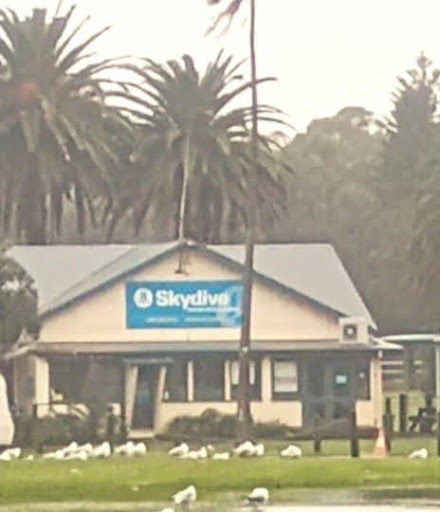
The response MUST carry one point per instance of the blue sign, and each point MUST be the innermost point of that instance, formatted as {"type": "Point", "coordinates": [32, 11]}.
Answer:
{"type": "Point", "coordinates": [184, 304]}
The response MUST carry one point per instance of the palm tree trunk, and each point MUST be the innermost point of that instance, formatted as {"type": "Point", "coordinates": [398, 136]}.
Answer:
{"type": "Point", "coordinates": [183, 200]}
{"type": "Point", "coordinates": [34, 207]}
{"type": "Point", "coordinates": [244, 416]}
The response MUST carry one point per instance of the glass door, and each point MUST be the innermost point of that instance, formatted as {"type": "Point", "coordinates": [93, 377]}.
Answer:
{"type": "Point", "coordinates": [144, 402]}
{"type": "Point", "coordinates": [329, 391]}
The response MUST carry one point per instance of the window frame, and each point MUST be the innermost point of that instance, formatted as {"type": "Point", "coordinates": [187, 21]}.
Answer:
{"type": "Point", "coordinates": [256, 393]}
{"type": "Point", "coordinates": [287, 395]}
{"type": "Point", "coordinates": [184, 362]}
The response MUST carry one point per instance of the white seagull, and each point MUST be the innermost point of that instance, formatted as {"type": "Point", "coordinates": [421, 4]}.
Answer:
{"type": "Point", "coordinates": [245, 449]}
{"type": "Point", "coordinates": [258, 497]}
{"type": "Point", "coordinates": [185, 497]}
{"type": "Point", "coordinates": [221, 456]}
{"type": "Point", "coordinates": [139, 449]}
{"type": "Point", "coordinates": [102, 451]}
{"type": "Point", "coordinates": [179, 451]}
{"type": "Point", "coordinates": [58, 455]}
{"type": "Point", "coordinates": [71, 448]}
{"type": "Point", "coordinates": [13, 453]}
{"type": "Point", "coordinates": [292, 452]}
{"type": "Point", "coordinates": [419, 454]}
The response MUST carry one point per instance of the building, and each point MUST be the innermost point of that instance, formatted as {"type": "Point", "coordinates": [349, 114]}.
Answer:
{"type": "Point", "coordinates": [154, 329]}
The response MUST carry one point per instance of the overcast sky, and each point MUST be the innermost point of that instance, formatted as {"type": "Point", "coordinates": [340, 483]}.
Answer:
{"type": "Point", "coordinates": [325, 54]}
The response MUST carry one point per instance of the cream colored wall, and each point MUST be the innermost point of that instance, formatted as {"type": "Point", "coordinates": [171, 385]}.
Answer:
{"type": "Point", "coordinates": [369, 412]}
{"type": "Point", "coordinates": [377, 386]}
{"type": "Point", "coordinates": [101, 317]}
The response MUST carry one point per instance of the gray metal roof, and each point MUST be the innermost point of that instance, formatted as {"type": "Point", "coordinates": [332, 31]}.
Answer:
{"type": "Point", "coordinates": [65, 273]}
{"type": "Point", "coordinates": [123, 263]}
{"type": "Point", "coordinates": [412, 338]}
{"type": "Point", "coordinates": [56, 268]}
{"type": "Point", "coordinates": [313, 270]}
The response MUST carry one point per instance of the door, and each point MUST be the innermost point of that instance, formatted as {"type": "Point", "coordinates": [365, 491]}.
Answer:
{"type": "Point", "coordinates": [329, 391]}
{"type": "Point", "coordinates": [145, 398]}
{"type": "Point", "coordinates": [314, 393]}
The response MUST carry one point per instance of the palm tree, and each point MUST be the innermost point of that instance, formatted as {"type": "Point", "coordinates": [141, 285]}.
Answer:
{"type": "Point", "coordinates": [55, 142]}
{"type": "Point", "coordinates": [195, 148]}
{"type": "Point", "coordinates": [244, 411]}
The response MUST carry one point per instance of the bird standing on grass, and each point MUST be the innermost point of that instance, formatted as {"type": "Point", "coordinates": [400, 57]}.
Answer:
{"type": "Point", "coordinates": [419, 454]}
{"type": "Point", "coordinates": [291, 452]}
{"type": "Point", "coordinates": [180, 450]}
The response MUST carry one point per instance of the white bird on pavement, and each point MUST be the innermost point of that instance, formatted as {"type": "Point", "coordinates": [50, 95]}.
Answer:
{"type": "Point", "coordinates": [419, 454]}
{"type": "Point", "coordinates": [185, 497]}
{"type": "Point", "coordinates": [292, 452]}
{"type": "Point", "coordinates": [258, 497]}
{"type": "Point", "coordinates": [180, 450]}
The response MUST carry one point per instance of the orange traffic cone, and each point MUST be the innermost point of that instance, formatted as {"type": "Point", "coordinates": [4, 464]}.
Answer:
{"type": "Point", "coordinates": [380, 447]}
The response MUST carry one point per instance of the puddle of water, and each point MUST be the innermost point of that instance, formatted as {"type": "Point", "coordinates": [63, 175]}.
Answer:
{"type": "Point", "coordinates": [352, 508]}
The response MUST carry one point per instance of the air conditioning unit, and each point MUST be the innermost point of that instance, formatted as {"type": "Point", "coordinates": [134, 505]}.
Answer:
{"type": "Point", "coordinates": [353, 330]}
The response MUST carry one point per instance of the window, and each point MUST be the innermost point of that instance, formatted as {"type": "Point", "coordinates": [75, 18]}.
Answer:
{"type": "Point", "coordinates": [254, 379]}
{"type": "Point", "coordinates": [208, 378]}
{"type": "Point", "coordinates": [285, 379]}
{"type": "Point", "coordinates": [341, 381]}
{"type": "Point", "coordinates": [84, 381]}
{"type": "Point", "coordinates": [176, 382]}
{"type": "Point", "coordinates": [68, 379]}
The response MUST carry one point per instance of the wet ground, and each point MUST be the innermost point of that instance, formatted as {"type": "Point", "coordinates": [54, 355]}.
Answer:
{"type": "Point", "coordinates": [423, 506]}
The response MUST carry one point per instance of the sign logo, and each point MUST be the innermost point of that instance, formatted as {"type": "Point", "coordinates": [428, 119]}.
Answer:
{"type": "Point", "coordinates": [194, 304]}
{"type": "Point", "coordinates": [143, 298]}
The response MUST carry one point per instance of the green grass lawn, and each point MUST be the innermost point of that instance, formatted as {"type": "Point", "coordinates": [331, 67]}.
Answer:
{"type": "Point", "coordinates": [157, 476]}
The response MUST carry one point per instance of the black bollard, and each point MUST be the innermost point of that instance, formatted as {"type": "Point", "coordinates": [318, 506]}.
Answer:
{"type": "Point", "coordinates": [354, 441]}
{"type": "Point", "coordinates": [317, 444]}
{"type": "Point", "coordinates": [403, 413]}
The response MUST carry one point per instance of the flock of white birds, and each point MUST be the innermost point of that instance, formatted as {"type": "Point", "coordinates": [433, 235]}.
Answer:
{"type": "Point", "coordinates": [183, 499]}
{"type": "Point", "coordinates": [81, 452]}
{"type": "Point", "coordinates": [246, 449]}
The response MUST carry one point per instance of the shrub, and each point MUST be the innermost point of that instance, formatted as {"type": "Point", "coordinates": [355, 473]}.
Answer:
{"type": "Point", "coordinates": [271, 430]}
{"type": "Point", "coordinates": [39, 432]}
{"type": "Point", "coordinates": [61, 429]}
{"type": "Point", "coordinates": [212, 424]}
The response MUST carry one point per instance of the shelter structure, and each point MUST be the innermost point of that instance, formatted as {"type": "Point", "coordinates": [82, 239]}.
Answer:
{"type": "Point", "coordinates": [129, 325]}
